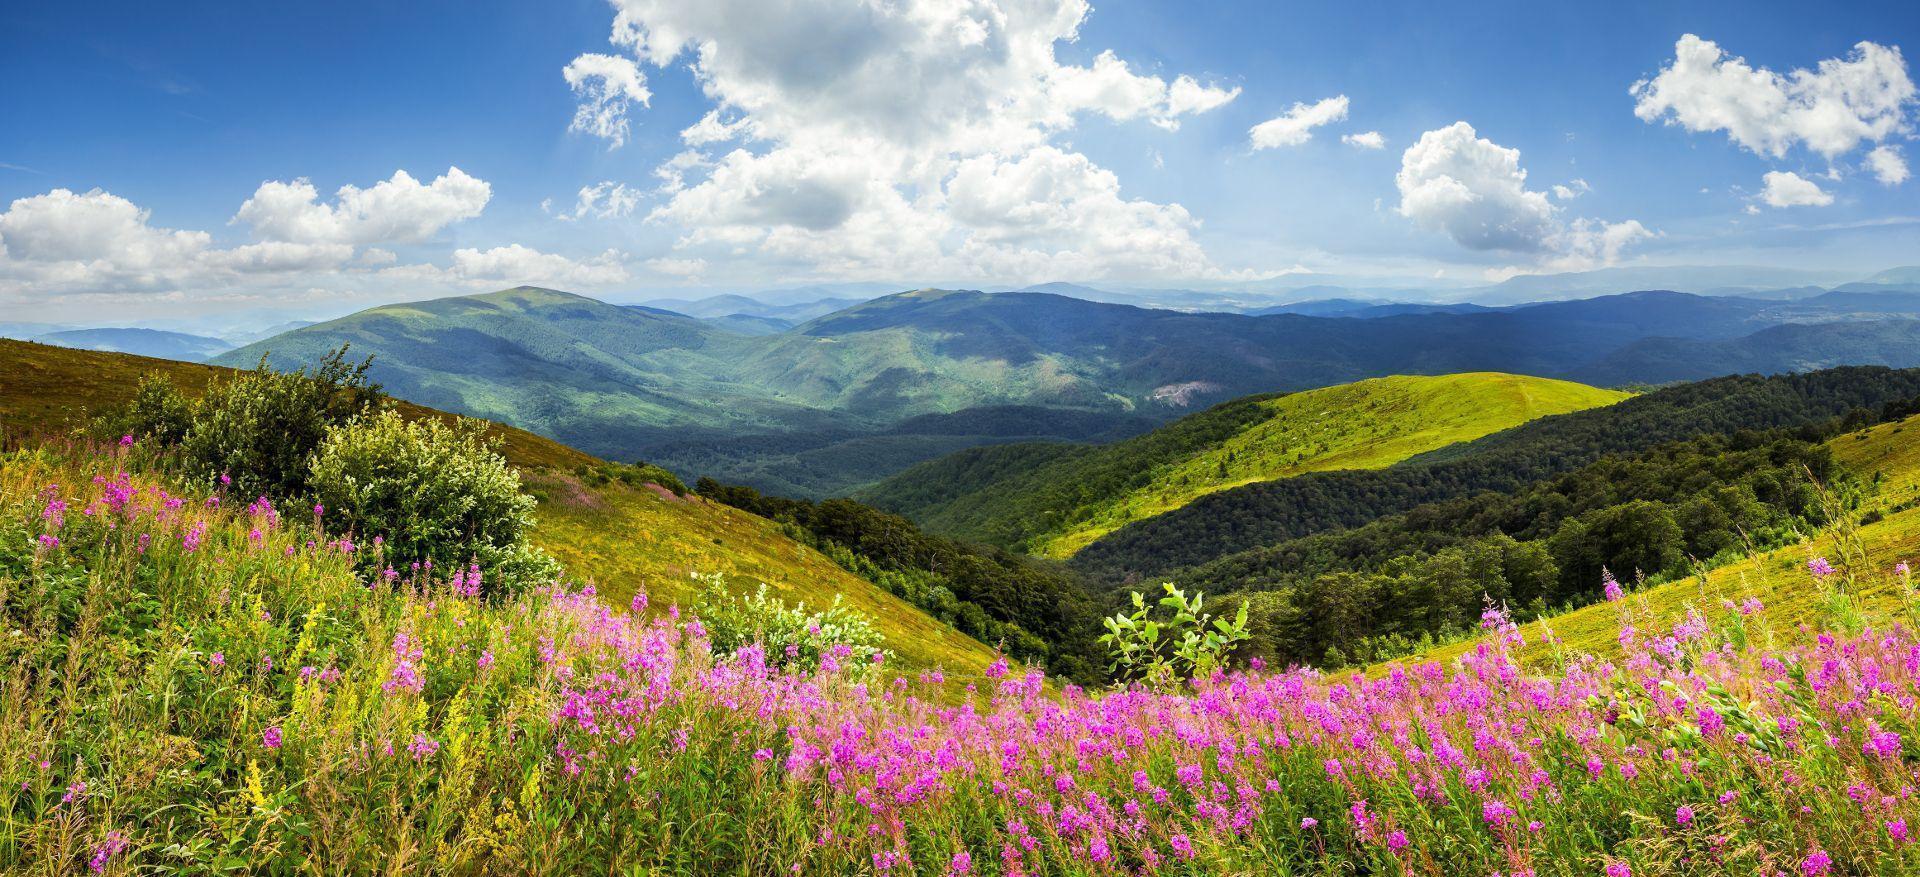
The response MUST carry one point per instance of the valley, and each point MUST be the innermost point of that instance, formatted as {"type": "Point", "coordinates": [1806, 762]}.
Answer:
{"type": "Point", "coordinates": [776, 405]}
{"type": "Point", "coordinates": [959, 438]}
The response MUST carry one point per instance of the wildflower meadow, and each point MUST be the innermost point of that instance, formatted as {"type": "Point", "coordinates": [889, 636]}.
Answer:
{"type": "Point", "coordinates": [196, 682]}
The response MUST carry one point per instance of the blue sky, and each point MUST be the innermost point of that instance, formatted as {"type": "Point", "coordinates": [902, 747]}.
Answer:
{"type": "Point", "coordinates": [989, 142]}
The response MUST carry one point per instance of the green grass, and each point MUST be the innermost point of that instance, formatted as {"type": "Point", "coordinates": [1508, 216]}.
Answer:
{"type": "Point", "coordinates": [1367, 424]}
{"type": "Point", "coordinates": [620, 538]}
{"type": "Point", "coordinates": [626, 540]}
{"type": "Point", "coordinates": [1053, 500]}
{"type": "Point", "coordinates": [52, 390]}
{"type": "Point", "coordinates": [1864, 554]}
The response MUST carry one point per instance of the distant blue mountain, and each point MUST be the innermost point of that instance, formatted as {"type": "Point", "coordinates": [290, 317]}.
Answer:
{"type": "Point", "coordinates": [144, 342]}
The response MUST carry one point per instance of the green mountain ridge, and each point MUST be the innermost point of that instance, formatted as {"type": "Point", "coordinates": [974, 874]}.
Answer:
{"type": "Point", "coordinates": [1054, 500]}
{"type": "Point", "coordinates": [141, 342]}
{"type": "Point", "coordinates": [622, 381]}
{"type": "Point", "coordinates": [1251, 519]}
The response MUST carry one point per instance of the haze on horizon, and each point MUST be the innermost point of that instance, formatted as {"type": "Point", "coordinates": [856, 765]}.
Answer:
{"type": "Point", "coordinates": [170, 163]}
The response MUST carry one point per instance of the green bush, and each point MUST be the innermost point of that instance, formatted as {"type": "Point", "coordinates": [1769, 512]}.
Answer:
{"type": "Point", "coordinates": [1185, 644]}
{"type": "Point", "coordinates": [794, 638]}
{"type": "Point", "coordinates": [431, 493]}
{"type": "Point", "coordinates": [632, 475]}
{"type": "Point", "coordinates": [157, 413]}
{"type": "Point", "coordinates": [261, 428]}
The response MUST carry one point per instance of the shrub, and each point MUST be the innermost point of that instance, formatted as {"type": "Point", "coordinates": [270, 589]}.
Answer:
{"type": "Point", "coordinates": [632, 475]}
{"type": "Point", "coordinates": [261, 428]}
{"type": "Point", "coordinates": [157, 413]}
{"type": "Point", "coordinates": [793, 637]}
{"type": "Point", "coordinates": [432, 493]}
{"type": "Point", "coordinates": [1187, 644]}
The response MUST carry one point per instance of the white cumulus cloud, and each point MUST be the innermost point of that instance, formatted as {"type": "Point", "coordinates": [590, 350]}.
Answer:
{"type": "Point", "coordinates": [1475, 191]}
{"type": "Point", "coordinates": [877, 157]}
{"type": "Point", "coordinates": [1888, 165]}
{"type": "Point", "coordinates": [65, 252]}
{"type": "Point", "coordinates": [1788, 189]}
{"type": "Point", "coordinates": [396, 210]}
{"type": "Point", "coordinates": [1365, 140]}
{"type": "Point", "coordinates": [1296, 125]}
{"type": "Point", "coordinates": [95, 242]}
{"type": "Point", "coordinates": [1830, 109]}
{"type": "Point", "coordinates": [607, 86]}
{"type": "Point", "coordinates": [1109, 87]}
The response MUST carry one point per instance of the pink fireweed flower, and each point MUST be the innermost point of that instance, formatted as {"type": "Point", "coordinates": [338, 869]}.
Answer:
{"type": "Point", "coordinates": [1611, 588]}
{"type": "Point", "coordinates": [270, 738]}
{"type": "Point", "coordinates": [1816, 863]}
{"type": "Point", "coordinates": [107, 849]}
{"type": "Point", "coordinates": [1307, 823]}
{"type": "Point", "coordinates": [961, 864]}
{"type": "Point", "coordinates": [1397, 840]}
{"type": "Point", "coordinates": [1897, 829]}
{"type": "Point", "coordinates": [217, 660]}
{"type": "Point", "coordinates": [1820, 567]}
{"type": "Point", "coordinates": [1683, 816]}
{"type": "Point", "coordinates": [126, 441]}
{"type": "Point", "coordinates": [423, 747]}
{"type": "Point", "coordinates": [1619, 869]}
{"type": "Point", "coordinates": [1182, 847]}
{"type": "Point", "coordinates": [1881, 744]}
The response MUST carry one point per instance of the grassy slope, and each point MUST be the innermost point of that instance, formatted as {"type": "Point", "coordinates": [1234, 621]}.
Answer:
{"type": "Point", "coordinates": [615, 536]}
{"type": "Point", "coordinates": [624, 539]}
{"type": "Point", "coordinates": [1368, 424]}
{"type": "Point", "coordinates": [1053, 501]}
{"type": "Point", "coordinates": [47, 389]}
{"type": "Point", "coordinates": [1778, 578]}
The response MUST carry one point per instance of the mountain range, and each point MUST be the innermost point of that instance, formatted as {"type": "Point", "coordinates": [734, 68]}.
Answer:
{"type": "Point", "coordinates": [640, 382]}
{"type": "Point", "coordinates": [142, 342]}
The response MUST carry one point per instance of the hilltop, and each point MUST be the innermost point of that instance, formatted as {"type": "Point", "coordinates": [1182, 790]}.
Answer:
{"type": "Point", "coordinates": [1053, 500]}
{"type": "Point", "coordinates": [745, 401]}
{"type": "Point", "coordinates": [1248, 526]}
{"type": "Point", "coordinates": [622, 538]}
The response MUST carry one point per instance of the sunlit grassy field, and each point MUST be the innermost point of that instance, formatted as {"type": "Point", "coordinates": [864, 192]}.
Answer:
{"type": "Point", "coordinates": [626, 540]}
{"type": "Point", "coordinates": [622, 539]}
{"type": "Point", "coordinates": [1887, 455]}
{"type": "Point", "coordinates": [1368, 424]}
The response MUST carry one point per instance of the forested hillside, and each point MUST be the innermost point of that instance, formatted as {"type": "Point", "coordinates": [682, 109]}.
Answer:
{"type": "Point", "coordinates": [1263, 514]}
{"type": "Point", "coordinates": [1381, 589]}
{"type": "Point", "coordinates": [1037, 611]}
{"type": "Point", "coordinates": [1052, 502]}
